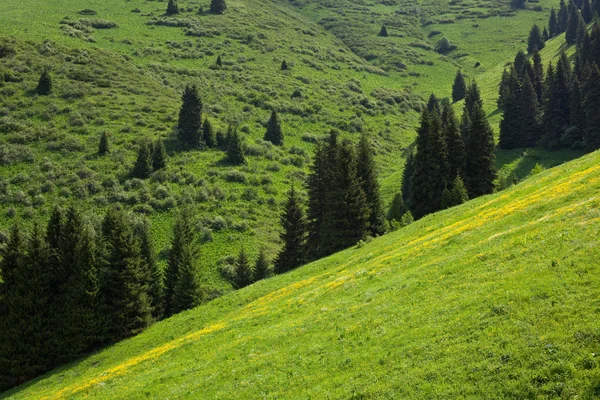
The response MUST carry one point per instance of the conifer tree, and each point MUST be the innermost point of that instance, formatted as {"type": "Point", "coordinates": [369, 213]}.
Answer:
{"type": "Point", "coordinates": [586, 11]}
{"type": "Point", "coordinates": [261, 266]}
{"type": "Point", "coordinates": [152, 275]}
{"type": "Point", "coordinates": [553, 24]}
{"type": "Point", "coordinates": [455, 145]}
{"type": "Point", "coordinates": [577, 117]}
{"type": "Point", "coordinates": [293, 222]}
{"type": "Point", "coordinates": [367, 172]}
{"type": "Point", "coordinates": [44, 87]}
{"type": "Point", "coordinates": [172, 7]}
{"type": "Point", "coordinates": [284, 65]}
{"type": "Point", "coordinates": [572, 23]}
{"type": "Point", "coordinates": [397, 208]}
{"type": "Point", "coordinates": [459, 88]}
{"type": "Point", "coordinates": [159, 155]}
{"type": "Point", "coordinates": [481, 172]}
{"type": "Point", "coordinates": [592, 105]}
{"type": "Point", "coordinates": [406, 185]}
{"type": "Point", "coordinates": [472, 97]}
{"type": "Point", "coordinates": [503, 89]}
{"type": "Point", "coordinates": [557, 103]}
{"type": "Point", "coordinates": [209, 133]}
{"type": "Point", "coordinates": [433, 104]}
{"type": "Point", "coordinates": [219, 61]}
{"type": "Point", "coordinates": [218, 6]}
{"type": "Point", "coordinates": [273, 133]}
{"type": "Point", "coordinates": [143, 164]}
{"type": "Point", "coordinates": [103, 147]}
{"type": "Point", "coordinates": [243, 272]}
{"type": "Point", "coordinates": [562, 16]}
{"type": "Point", "coordinates": [459, 191]}
{"type": "Point", "coordinates": [183, 255]}
{"type": "Point", "coordinates": [535, 41]}
{"type": "Point", "coordinates": [545, 34]}
{"type": "Point", "coordinates": [511, 135]}
{"type": "Point", "coordinates": [383, 32]}
{"type": "Point", "coordinates": [431, 167]}
{"type": "Point", "coordinates": [235, 149]}
{"type": "Point", "coordinates": [581, 30]}
{"type": "Point", "coordinates": [530, 110]}
{"type": "Point", "coordinates": [125, 305]}
{"type": "Point", "coordinates": [538, 76]}
{"type": "Point", "coordinates": [190, 118]}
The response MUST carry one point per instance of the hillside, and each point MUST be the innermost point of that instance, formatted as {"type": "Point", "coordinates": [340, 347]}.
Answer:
{"type": "Point", "coordinates": [497, 298]}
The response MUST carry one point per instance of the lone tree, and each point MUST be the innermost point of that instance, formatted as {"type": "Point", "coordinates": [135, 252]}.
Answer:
{"type": "Point", "coordinates": [104, 146]}
{"type": "Point", "coordinates": [44, 87]}
{"type": "Point", "coordinates": [218, 6]}
{"type": "Point", "coordinates": [383, 32]}
{"type": "Point", "coordinates": [172, 7]}
{"type": "Point", "coordinates": [293, 236]}
{"type": "Point", "coordinates": [219, 61]}
{"type": "Point", "coordinates": [274, 134]}
{"type": "Point", "coordinates": [284, 65]}
{"type": "Point", "coordinates": [235, 149]}
{"type": "Point", "coordinates": [190, 117]}
{"type": "Point", "coordinates": [459, 88]}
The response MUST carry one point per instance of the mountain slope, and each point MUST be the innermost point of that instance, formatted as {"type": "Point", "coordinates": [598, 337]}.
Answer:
{"type": "Point", "coordinates": [497, 298]}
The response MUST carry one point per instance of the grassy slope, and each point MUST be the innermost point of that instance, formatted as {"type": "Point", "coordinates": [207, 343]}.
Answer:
{"type": "Point", "coordinates": [497, 298]}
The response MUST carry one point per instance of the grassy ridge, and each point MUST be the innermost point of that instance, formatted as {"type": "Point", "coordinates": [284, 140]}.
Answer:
{"type": "Point", "coordinates": [497, 298]}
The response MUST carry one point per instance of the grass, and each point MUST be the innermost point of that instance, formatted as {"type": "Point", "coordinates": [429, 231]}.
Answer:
{"type": "Point", "coordinates": [497, 298]}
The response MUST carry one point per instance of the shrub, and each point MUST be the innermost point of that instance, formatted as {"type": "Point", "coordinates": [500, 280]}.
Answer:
{"type": "Point", "coordinates": [236, 176]}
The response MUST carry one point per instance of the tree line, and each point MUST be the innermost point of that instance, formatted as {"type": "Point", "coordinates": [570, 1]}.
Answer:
{"type": "Point", "coordinates": [72, 287]}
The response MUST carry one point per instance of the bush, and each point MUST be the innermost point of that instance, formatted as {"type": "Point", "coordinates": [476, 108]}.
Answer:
{"type": "Point", "coordinates": [444, 46]}
{"type": "Point", "coordinates": [236, 176]}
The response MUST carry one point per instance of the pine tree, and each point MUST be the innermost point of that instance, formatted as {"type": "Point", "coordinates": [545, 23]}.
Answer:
{"type": "Point", "coordinates": [592, 104]}
{"type": "Point", "coordinates": [455, 145]}
{"type": "Point", "coordinates": [159, 155]}
{"type": "Point", "coordinates": [383, 32]}
{"type": "Point", "coordinates": [562, 16]}
{"type": "Point", "coordinates": [538, 75]}
{"type": "Point", "coordinates": [217, 6]}
{"type": "Point", "coordinates": [172, 7]}
{"type": "Point", "coordinates": [433, 104]}
{"type": "Point", "coordinates": [572, 23]}
{"type": "Point", "coordinates": [293, 222]}
{"type": "Point", "coordinates": [586, 11]}
{"type": "Point", "coordinates": [235, 149]}
{"type": "Point", "coordinates": [406, 185]}
{"type": "Point", "coordinates": [545, 35]}
{"type": "Point", "coordinates": [219, 62]}
{"type": "Point", "coordinates": [103, 147]}
{"type": "Point", "coordinates": [557, 102]}
{"type": "Point", "coordinates": [143, 164]}
{"type": "Point", "coordinates": [511, 135]}
{"type": "Point", "coordinates": [367, 172]}
{"type": "Point", "coordinates": [261, 266]}
{"type": "Point", "coordinates": [125, 304]}
{"type": "Point", "coordinates": [472, 97]}
{"type": "Point", "coordinates": [530, 110]}
{"type": "Point", "coordinates": [183, 255]}
{"type": "Point", "coordinates": [535, 41]}
{"type": "Point", "coordinates": [44, 87]}
{"type": "Point", "coordinates": [190, 118]}
{"type": "Point", "coordinates": [397, 208]}
{"type": "Point", "coordinates": [503, 89]}
{"type": "Point", "coordinates": [577, 117]}
{"type": "Point", "coordinates": [152, 275]}
{"type": "Point", "coordinates": [243, 272]}
{"type": "Point", "coordinates": [520, 64]}
{"type": "Point", "coordinates": [581, 30]}
{"type": "Point", "coordinates": [459, 191]}
{"type": "Point", "coordinates": [209, 133]}
{"type": "Point", "coordinates": [553, 25]}
{"type": "Point", "coordinates": [273, 133]}
{"type": "Point", "coordinates": [284, 65]}
{"type": "Point", "coordinates": [459, 88]}
{"type": "Point", "coordinates": [481, 173]}
{"type": "Point", "coordinates": [431, 167]}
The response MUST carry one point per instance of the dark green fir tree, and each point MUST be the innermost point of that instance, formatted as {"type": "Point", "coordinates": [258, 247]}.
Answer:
{"type": "Point", "coordinates": [159, 155]}
{"type": "Point", "coordinates": [366, 170]}
{"type": "Point", "coordinates": [274, 133]}
{"type": "Point", "coordinates": [459, 88]}
{"type": "Point", "coordinates": [243, 272]}
{"type": "Point", "coordinates": [383, 32]}
{"type": "Point", "coordinates": [293, 222]}
{"type": "Point", "coordinates": [44, 87]}
{"type": "Point", "coordinates": [172, 7]}
{"type": "Point", "coordinates": [481, 172]}
{"type": "Point", "coordinates": [189, 126]}
{"type": "Point", "coordinates": [235, 149]}
{"type": "Point", "coordinates": [262, 269]}
{"type": "Point", "coordinates": [142, 168]}
{"type": "Point", "coordinates": [209, 134]}
{"type": "Point", "coordinates": [104, 145]}
{"type": "Point", "coordinates": [535, 40]}
{"type": "Point", "coordinates": [218, 6]}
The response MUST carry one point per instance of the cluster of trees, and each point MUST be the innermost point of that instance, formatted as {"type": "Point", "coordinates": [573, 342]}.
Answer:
{"type": "Point", "coordinates": [216, 7]}
{"type": "Point", "coordinates": [572, 19]}
{"type": "Point", "coordinates": [453, 161]}
{"type": "Point", "coordinates": [73, 287]}
{"type": "Point", "coordinates": [344, 204]}
{"type": "Point", "coordinates": [553, 111]}
{"type": "Point", "coordinates": [151, 157]}
{"type": "Point", "coordinates": [244, 273]}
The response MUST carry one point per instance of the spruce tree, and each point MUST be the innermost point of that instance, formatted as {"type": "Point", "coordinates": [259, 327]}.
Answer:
{"type": "Point", "coordinates": [125, 306]}
{"type": "Point", "coordinates": [581, 31]}
{"type": "Point", "coordinates": [284, 65]}
{"type": "Point", "coordinates": [172, 7]}
{"type": "Point", "coordinates": [261, 266]}
{"type": "Point", "coordinates": [366, 170]}
{"type": "Point", "coordinates": [592, 105]}
{"type": "Point", "coordinates": [472, 97]}
{"type": "Point", "coordinates": [209, 134]}
{"type": "Point", "coordinates": [152, 274]}
{"type": "Point", "coordinates": [535, 41]}
{"type": "Point", "coordinates": [406, 185]}
{"type": "Point", "coordinates": [235, 149]}
{"type": "Point", "coordinates": [557, 103]}
{"type": "Point", "coordinates": [553, 24]}
{"type": "Point", "coordinates": [562, 16]}
{"type": "Point", "coordinates": [190, 118]}
{"type": "Point", "coordinates": [504, 89]}
{"type": "Point", "coordinates": [431, 166]}
{"type": "Point", "coordinates": [273, 133]}
{"type": "Point", "coordinates": [538, 75]}
{"type": "Point", "coordinates": [481, 172]}
{"type": "Point", "coordinates": [586, 11]}
{"type": "Point", "coordinates": [103, 147]}
{"type": "Point", "coordinates": [572, 24]}
{"type": "Point", "coordinates": [243, 272]}
{"type": "Point", "coordinates": [217, 6]}
{"type": "Point", "coordinates": [433, 104]}
{"type": "Point", "coordinates": [397, 208]}
{"type": "Point", "coordinates": [459, 191]}
{"type": "Point", "coordinates": [383, 32]}
{"type": "Point", "coordinates": [159, 155]}
{"type": "Point", "coordinates": [455, 145]}
{"type": "Point", "coordinates": [577, 117]}
{"type": "Point", "coordinates": [530, 111]}
{"type": "Point", "coordinates": [317, 183]}
{"type": "Point", "coordinates": [183, 255]}
{"type": "Point", "coordinates": [219, 62]}
{"type": "Point", "coordinates": [294, 251]}
{"type": "Point", "coordinates": [511, 135]}
{"type": "Point", "coordinates": [459, 88]}
{"type": "Point", "coordinates": [545, 35]}
{"type": "Point", "coordinates": [143, 164]}
{"type": "Point", "coordinates": [44, 87]}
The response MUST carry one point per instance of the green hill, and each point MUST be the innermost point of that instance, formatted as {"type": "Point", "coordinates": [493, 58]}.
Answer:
{"type": "Point", "coordinates": [497, 298]}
